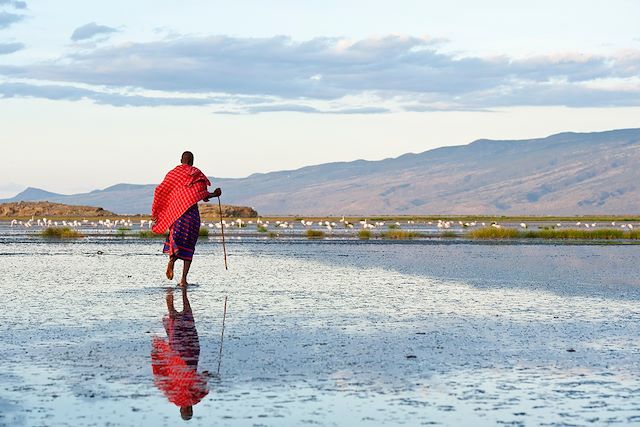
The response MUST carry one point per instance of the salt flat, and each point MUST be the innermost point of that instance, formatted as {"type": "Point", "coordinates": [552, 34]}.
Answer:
{"type": "Point", "coordinates": [330, 333]}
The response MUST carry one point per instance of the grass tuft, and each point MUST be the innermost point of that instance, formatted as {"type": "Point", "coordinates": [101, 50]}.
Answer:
{"type": "Point", "coordinates": [510, 233]}
{"type": "Point", "coordinates": [203, 232]}
{"type": "Point", "coordinates": [448, 233]}
{"type": "Point", "coordinates": [399, 235]}
{"type": "Point", "coordinates": [262, 229]}
{"type": "Point", "coordinates": [315, 234]}
{"type": "Point", "coordinates": [365, 234]}
{"type": "Point", "coordinates": [61, 232]}
{"type": "Point", "coordinates": [494, 233]}
{"type": "Point", "coordinates": [272, 234]}
{"type": "Point", "coordinates": [148, 234]}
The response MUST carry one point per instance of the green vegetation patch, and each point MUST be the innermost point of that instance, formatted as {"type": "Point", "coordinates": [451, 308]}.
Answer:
{"type": "Point", "coordinates": [315, 234]}
{"type": "Point", "coordinates": [400, 235]}
{"type": "Point", "coordinates": [148, 234]}
{"type": "Point", "coordinates": [510, 233]}
{"type": "Point", "coordinates": [61, 232]}
{"type": "Point", "coordinates": [262, 229]}
{"type": "Point", "coordinates": [494, 233]}
{"type": "Point", "coordinates": [203, 232]}
{"type": "Point", "coordinates": [365, 234]}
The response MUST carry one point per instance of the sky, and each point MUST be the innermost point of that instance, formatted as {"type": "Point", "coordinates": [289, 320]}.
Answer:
{"type": "Point", "coordinates": [97, 93]}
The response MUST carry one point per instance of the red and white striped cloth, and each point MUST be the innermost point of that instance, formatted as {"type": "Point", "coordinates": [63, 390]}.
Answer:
{"type": "Point", "coordinates": [183, 187]}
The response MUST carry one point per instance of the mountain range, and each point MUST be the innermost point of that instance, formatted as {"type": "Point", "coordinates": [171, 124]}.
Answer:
{"type": "Point", "coordinates": [563, 174]}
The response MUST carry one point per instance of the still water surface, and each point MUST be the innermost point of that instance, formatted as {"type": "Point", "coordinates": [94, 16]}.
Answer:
{"type": "Point", "coordinates": [329, 333]}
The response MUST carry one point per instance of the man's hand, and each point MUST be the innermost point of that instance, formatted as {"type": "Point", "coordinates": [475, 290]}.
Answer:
{"type": "Point", "coordinates": [216, 193]}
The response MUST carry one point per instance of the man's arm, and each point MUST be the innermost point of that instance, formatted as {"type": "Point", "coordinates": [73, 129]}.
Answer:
{"type": "Point", "coordinates": [216, 193]}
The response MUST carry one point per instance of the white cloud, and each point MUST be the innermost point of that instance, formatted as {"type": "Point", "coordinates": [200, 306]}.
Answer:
{"type": "Point", "coordinates": [7, 19]}
{"type": "Point", "coordinates": [7, 48]}
{"type": "Point", "coordinates": [91, 30]}
{"type": "Point", "coordinates": [328, 75]}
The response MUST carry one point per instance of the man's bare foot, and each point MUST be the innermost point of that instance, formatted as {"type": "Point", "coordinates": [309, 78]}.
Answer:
{"type": "Point", "coordinates": [170, 269]}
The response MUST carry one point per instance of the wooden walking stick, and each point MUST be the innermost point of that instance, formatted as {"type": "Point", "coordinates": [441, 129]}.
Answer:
{"type": "Point", "coordinates": [224, 317]}
{"type": "Point", "coordinates": [224, 246]}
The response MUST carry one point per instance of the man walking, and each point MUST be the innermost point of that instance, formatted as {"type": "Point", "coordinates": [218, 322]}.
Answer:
{"type": "Point", "coordinates": [175, 208]}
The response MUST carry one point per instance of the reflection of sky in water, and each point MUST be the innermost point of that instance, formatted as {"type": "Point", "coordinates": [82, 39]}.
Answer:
{"type": "Point", "coordinates": [320, 332]}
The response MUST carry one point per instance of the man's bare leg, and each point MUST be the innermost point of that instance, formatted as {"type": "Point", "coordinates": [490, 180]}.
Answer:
{"type": "Point", "coordinates": [172, 261]}
{"type": "Point", "coordinates": [186, 307]}
{"type": "Point", "coordinates": [170, 307]}
{"type": "Point", "coordinates": [185, 272]}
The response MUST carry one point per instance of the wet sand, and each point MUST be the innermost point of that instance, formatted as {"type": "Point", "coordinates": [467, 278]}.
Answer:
{"type": "Point", "coordinates": [329, 333]}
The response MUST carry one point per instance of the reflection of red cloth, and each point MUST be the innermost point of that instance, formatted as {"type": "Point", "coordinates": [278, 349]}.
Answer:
{"type": "Point", "coordinates": [183, 187]}
{"type": "Point", "coordinates": [182, 385]}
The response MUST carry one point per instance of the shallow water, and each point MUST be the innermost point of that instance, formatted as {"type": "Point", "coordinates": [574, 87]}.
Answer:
{"type": "Point", "coordinates": [330, 333]}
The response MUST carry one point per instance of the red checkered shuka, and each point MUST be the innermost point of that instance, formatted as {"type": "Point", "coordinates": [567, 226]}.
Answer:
{"type": "Point", "coordinates": [183, 186]}
{"type": "Point", "coordinates": [181, 384]}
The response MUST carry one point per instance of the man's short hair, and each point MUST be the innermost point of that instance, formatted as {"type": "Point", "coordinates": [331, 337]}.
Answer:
{"type": "Point", "coordinates": [187, 158]}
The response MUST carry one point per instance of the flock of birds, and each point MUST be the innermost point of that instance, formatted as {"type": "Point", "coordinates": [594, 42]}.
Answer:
{"type": "Point", "coordinates": [107, 223]}
{"type": "Point", "coordinates": [265, 224]}
{"type": "Point", "coordinates": [587, 225]}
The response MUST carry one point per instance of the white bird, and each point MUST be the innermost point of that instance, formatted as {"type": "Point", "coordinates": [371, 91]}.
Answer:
{"type": "Point", "coordinates": [523, 225]}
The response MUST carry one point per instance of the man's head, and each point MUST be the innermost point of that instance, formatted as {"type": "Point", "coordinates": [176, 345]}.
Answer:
{"type": "Point", "coordinates": [186, 412]}
{"type": "Point", "coordinates": [187, 158]}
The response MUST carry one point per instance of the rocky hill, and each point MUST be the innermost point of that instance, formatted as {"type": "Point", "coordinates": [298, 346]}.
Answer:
{"type": "Point", "coordinates": [211, 211]}
{"type": "Point", "coordinates": [52, 210]}
{"type": "Point", "coordinates": [60, 210]}
{"type": "Point", "coordinates": [563, 174]}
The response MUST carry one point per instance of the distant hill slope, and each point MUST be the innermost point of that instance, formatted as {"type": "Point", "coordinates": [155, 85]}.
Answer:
{"type": "Point", "coordinates": [565, 174]}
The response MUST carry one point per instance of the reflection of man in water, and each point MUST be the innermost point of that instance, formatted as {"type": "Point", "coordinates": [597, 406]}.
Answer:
{"type": "Point", "coordinates": [175, 362]}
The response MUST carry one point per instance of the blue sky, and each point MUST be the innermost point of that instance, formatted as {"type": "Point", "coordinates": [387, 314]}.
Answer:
{"type": "Point", "coordinates": [114, 91]}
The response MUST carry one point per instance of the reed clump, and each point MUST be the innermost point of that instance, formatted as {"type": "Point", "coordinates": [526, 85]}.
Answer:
{"type": "Point", "coordinates": [61, 232]}
{"type": "Point", "coordinates": [365, 234]}
{"type": "Point", "coordinates": [315, 234]}
{"type": "Point", "coordinates": [262, 229]}
{"type": "Point", "coordinates": [448, 233]}
{"type": "Point", "coordinates": [399, 235]}
{"type": "Point", "coordinates": [148, 234]}
{"type": "Point", "coordinates": [494, 233]}
{"type": "Point", "coordinates": [600, 234]}
{"type": "Point", "coordinates": [203, 232]}
{"type": "Point", "coordinates": [567, 234]}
